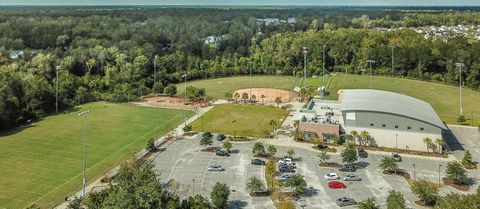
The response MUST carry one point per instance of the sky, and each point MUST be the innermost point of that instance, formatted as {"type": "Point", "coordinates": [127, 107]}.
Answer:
{"type": "Point", "coordinates": [249, 2]}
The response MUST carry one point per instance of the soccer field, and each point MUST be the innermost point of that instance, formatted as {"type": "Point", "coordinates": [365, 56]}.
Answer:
{"type": "Point", "coordinates": [241, 120]}
{"type": "Point", "coordinates": [443, 98]}
{"type": "Point", "coordinates": [42, 163]}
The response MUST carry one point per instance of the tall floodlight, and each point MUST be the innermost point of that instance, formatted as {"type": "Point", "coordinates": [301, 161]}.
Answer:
{"type": "Point", "coordinates": [155, 73]}
{"type": "Point", "coordinates": [393, 70]}
{"type": "Point", "coordinates": [370, 62]}
{"type": "Point", "coordinates": [323, 74]}
{"type": "Point", "coordinates": [250, 65]}
{"type": "Point", "coordinates": [184, 105]}
{"type": "Point", "coordinates": [305, 67]}
{"type": "Point", "coordinates": [84, 181]}
{"type": "Point", "coordinates": [57, 68]}
{"type": "Point", "coordinates": [460, 66]}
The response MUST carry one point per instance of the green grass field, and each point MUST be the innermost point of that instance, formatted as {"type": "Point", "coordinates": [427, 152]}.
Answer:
{"type": "Point", "coordinates": [444, 98]}
{"type": "Point", "coordinates": [241, 120]}
{"type": "Point", "coordinates": [216, 88]}
{"type": "Point", "coordinates": [42, 163]}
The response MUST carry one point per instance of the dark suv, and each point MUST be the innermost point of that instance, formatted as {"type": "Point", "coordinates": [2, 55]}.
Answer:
{"type": "Point", "coordinates": [362, 153]}
{"type": "Point", "coordinates": [258, 162]}
{"type": "Point", "coordinates": [222, 153]}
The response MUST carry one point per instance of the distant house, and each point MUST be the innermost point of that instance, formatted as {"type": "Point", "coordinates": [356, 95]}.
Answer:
{"type": "Point", "coordinates": [214, 39]}
{"type": "Point", "coordinates": [16, 54]}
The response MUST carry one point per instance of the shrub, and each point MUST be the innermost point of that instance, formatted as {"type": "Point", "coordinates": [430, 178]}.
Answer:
{"type": "Point", "coordinates": [151, 145]}
{"type": "Point", "coordinates": [187, 128]}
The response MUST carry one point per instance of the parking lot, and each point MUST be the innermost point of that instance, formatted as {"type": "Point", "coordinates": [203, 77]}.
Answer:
{"type": "Point", "coordinates": [187, 165]}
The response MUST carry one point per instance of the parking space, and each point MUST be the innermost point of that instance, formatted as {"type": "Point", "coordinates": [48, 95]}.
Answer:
{"type": "Point", "coordinates": [187, 165]}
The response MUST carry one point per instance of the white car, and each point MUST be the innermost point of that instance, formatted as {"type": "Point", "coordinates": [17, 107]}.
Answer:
{"type": "Point", "coordinates": [331, 176]}
{"type": "Point", "coordinates": [215, 168]}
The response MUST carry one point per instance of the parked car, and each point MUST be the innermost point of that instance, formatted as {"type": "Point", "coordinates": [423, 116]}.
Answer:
{"type": "Point", "coordinates": [291, 165]}
{"type": "Point", "coordinates": [285, 177]}
{"type": "Point", "coordinates": [351, 177]}
{"type": "Point", "coordinates": [331, 176]}
{"type": "Point", "coordinates": [286, 161]}
{"type": "Point", "coordinates": [362, 153]}
{"type": "Point", "coordinates": [345, 201]}
{"type": "Point", "coordinates": [396, 157]}
{"type": "Point", "coordinates": [336, 185]}
{"type": "Point", "coordinates": [258, 162]}
{"type": "Point", "coordinates": [215, 168]}
{"type": "Point", "coordinates": [347, 168]}
{"type": "Point", "coordinates": [286, 170]}
{"type": "Point", "coordinates": [220, 137]}
{"type": "Point", "coordinates": [222, 153]}
{"type": "Point", "coordinates": [207, 134]}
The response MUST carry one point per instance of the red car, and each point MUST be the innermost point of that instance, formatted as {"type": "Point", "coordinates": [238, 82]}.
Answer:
{"type": "Point", "coordinates": [336, 185]}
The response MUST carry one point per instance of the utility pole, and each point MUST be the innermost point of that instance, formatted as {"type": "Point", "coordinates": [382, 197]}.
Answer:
{"type": "Point", "coordinates": [393, 71]}
{"type": "Point", "coordinates": [305, 67]}
{"type": "Point", "coordinates": [370, 62]}
{"type": "Point", "coordinates": [323, 74]}
{"type": "Point", "coordinates": [57, 68]}
{"type": "Point", "coordinates": [439, 167]}
{"type": "Point", "coordinates": [184, 105]}
{"type": "Point", "coordinates": [154, 73]}
{"type": "Point", "coordinates": [84, 180]}
{"type": "Point", "coordinates": [460, 65]}
{"type": "Point", "coordinates": [250, 64]}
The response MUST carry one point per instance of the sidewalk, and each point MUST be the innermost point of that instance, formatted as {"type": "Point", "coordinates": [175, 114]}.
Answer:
{"type": "Point", "coordinates": [97, 185]}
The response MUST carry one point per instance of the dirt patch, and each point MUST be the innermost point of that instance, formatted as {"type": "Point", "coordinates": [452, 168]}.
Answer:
{"type": "Point", "coordinates": [270, 94]}
{"type": "Point", "coordinates": [171, 102]}
{"type": "Point", "coordinates": [451, 182]}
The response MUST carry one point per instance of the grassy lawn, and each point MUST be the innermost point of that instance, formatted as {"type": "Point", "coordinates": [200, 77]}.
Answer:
{"type": "Point", "coordinates": [242, 120]}
{"type": "Point", "coordinates": [42, 163]}
{"type": "Point", "coordinates": [216, 88]}
{"type": "Point", "coordinates": [444, 98]}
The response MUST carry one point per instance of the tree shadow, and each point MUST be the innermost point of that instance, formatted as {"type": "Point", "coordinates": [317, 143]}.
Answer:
{"type": "Point", "coordinates": [361, 164]}
{"type": "Point", "coordinates": [310, 192]}
{"type": "Point", "coordinates": [13, 131]}
{"type": "Point", "coordinates": [235, 204]}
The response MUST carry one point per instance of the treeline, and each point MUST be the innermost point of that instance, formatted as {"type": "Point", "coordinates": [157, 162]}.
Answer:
{"type": "Point", "coordinates": [108, 53]}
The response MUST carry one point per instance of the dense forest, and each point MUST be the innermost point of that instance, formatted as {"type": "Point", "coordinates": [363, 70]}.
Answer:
{"type": "Point", "coordinates": [108, 53]}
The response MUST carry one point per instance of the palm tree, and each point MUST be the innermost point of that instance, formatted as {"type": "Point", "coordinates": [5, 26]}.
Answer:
{"type": "Point", "coordinates": [368, 204]}
{"type": "Point", "coordinates": [255, 184]}
{"type": "Point", "coordinates": [278, 100]}
{"type": "Point", "coordinates": [272, 150]}
{"type": "Point", "coordinates": [236, 96]}
{"type": "Point", "coordinates": [228, 96]}
{"type": "Point", "coordinates": [262, 97]}
{"type": "Point", "coordinates": [354, 135]}
{"type": "Point", "coordinates": [440, 142]}
{"type": "Point", "coordinates": [428, 142]}
{"type": "Point", "coordinates": [389, 164]}
{"type": "Point", "coordinates": [253, 98]}
{"type": "Point", "coordinates": [244, 97]}
{"type": "Point", "coordinates": [364, 137]}
{"type": "Point", "coordinates": [273, 124]}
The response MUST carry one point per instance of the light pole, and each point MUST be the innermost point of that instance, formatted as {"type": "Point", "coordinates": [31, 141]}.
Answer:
{"type": "Point", "coordinates": [57, 68]}
{"type": "Point", "coordinates": [193, 187]}
{"type": "Point", "coordinates": [250, 64]}
{"type": "Point", "coordinates": [370, 62]}
{"type": "Point", "coordinates": [323, 75]}
{"type": "Point", "coordinates": [185, 105]}
{"type": "Point", "coordinates": [460, 65]}
{"type": "Point", "coordinates": [154, 73]}
{"type": "Point", "coordinates": [396, 141]}
{"type": "Point", "coordinates": [414, 177]}
{"type": "Point", "coordinates": [305, 67]}
{"type": "Point", "coordinates": [392, 47]}
{"type": "Point", "coordinates": [439, 166]}
{"type": "Point", "coordinates": [84, 181]}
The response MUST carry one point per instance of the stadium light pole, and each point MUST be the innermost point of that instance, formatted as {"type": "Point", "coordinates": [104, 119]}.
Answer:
{"type": "Point", "coordinates": [184, 105]}
{"type": "Point", "coordinates": [154, 73]}
{"type": "Point", "coordinates": [460, 66]}
{"type": "Point", "coordinates": [305, 67]}
{"type": "Point", "coordinates": [392, 47]}
{"type": "Point", "coordinates": [323, 74]}
{"type": "Point", "coordinates": [57, 68]}
{"type": "Point", "coordinates": [84, 180]}
{"type": "Point", "coordinates": [370, 62]}
{"type": "Point", "coordinates": [250, 63]}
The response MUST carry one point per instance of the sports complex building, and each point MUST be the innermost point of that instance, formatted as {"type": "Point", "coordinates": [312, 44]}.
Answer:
{"type": "Point", "coordinates": [391, 119]}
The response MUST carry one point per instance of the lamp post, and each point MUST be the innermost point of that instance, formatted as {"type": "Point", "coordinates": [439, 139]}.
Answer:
{"type": "Point", "coordinates": [84, 180]}
{"type": "Point", "coordinates": [57, 68]}
{"type": "Point", "coordinates": [414, 177]}
{"type": "Point", "coordinates": [392, 47]}
{"type": "Point", "coordinates": [193, 187]}
{"type": "Point", "coordinates": [323, 75]}
{"type": "Point", "coordinates": [184, 105]}
{"type": "Point", "coordinates": [250, 64]}
{"type": "Point", "coordinates": [305, 67]}
{"type": "Point", "coordinates": [396, 141]}
{"type": "Point", "coordinates": [439, 167]}
{"type": "Point", "coordinates": [460, 65]}
{"type": "Point", "coordinates": [155, 73]}
{"type": "Point", "coordinates": [370, 62]}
